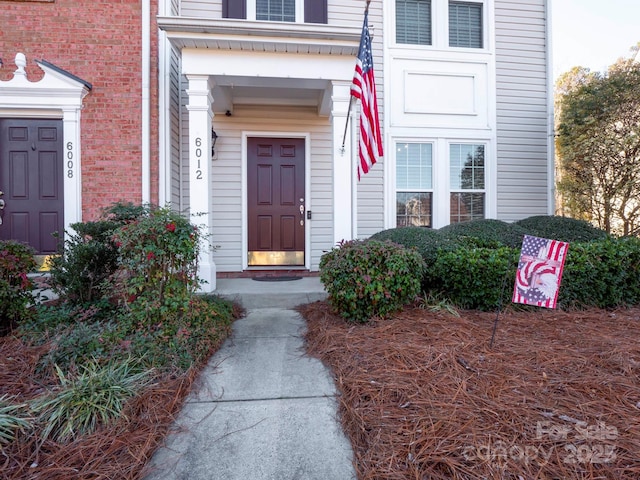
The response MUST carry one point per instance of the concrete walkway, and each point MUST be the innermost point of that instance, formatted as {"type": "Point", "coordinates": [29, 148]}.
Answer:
{"type": "Point", "coordinates": [262, 409]}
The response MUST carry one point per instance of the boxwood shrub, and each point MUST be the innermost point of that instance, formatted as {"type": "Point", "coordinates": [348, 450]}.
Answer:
{"type": "Point", "coordinates": [561, 228]}
{"type": "Point", "coordinates": [426, 241]}
{"type": "Point", "coordinates": [485, 233]}
{"type": "Point", "coordinates": [370, 278]}
{"type": "Point", "coordinates": [476, 278]}
{"type": "Point", "coordinates": [603, 273]}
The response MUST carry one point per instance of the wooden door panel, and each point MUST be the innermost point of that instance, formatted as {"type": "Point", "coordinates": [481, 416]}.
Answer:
{"type": "Point", "coordinates": [275, 184]}
{"type": "Point", "coordinates": [265, 229]}
{"type": "Point", "coordinates": [17, 183]}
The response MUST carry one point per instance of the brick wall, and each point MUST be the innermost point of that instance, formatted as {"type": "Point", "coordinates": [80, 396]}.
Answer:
{"type": "Point", "coordinates": [100, 42]}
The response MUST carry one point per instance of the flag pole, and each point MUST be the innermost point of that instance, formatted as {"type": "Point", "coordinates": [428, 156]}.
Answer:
{"type": "Point", "coordinates": [495, 323]}
{"type": "Point", "coordinates": [346, 126]}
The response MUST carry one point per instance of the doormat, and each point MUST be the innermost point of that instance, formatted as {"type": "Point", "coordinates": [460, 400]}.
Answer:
{"type": "Point", "coordinates": [275, 279]}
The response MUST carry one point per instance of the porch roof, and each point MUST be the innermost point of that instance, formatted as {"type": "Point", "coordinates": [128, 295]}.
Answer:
{"type": "Point", "coordinates": [259, 36]}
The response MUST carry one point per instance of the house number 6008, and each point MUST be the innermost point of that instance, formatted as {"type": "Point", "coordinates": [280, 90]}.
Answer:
{"type": "Point", "coordinates": [69, 159]}
{"type": "Point", "coordinates": [198, 153]}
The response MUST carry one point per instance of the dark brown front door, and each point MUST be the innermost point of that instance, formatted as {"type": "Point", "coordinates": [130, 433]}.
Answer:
{"type": "Point", "coordinates": [31, 180]}
{"type": "Point", "coordinates": [276, 201]}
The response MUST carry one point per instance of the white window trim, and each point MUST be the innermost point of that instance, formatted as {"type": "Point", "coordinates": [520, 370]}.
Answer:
{"type": "Point", "coordinates": [485, 28]}
{"type": "Point", "coordinates": [251, 11]}
{"type": "Point", "coordinates": [441, 188]}
{"type": "Point", "coordinates": [487, 178]}
{"type": "Point", "coordinates": [396, 190]}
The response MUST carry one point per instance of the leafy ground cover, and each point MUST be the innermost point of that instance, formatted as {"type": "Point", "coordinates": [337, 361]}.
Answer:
{"type": "Point", "coordinates": [424, 396]}
{"type": "Point", "coordinates": [51, 391]}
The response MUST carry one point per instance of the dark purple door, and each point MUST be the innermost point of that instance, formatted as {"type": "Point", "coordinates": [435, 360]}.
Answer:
{"type": "Point", "coordinates": [276, 196]}
{"type": "Point", "coordinates": [31, 179]}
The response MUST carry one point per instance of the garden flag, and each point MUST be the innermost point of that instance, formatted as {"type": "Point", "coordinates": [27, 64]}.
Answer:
{"type": "Point", "coordinates": [539, 271]}
{"type": "Point", "coordinates": [363, 87]}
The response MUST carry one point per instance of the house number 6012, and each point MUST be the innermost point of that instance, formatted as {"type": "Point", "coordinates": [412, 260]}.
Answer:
{"type": "Point", "coordinates": [70, 159]}
{"type": "Point", "coordinates": [198, 153]}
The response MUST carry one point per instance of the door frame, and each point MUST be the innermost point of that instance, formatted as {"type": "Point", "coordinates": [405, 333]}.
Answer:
{"type": "Point", "coordinates": [306, 136]}
{"type": "Point", "coordinates": [58, 95]}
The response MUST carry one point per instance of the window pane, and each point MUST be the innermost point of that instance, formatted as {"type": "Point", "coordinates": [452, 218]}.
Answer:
{"type": "Point", "coordinates": [466, 207]}
{"type": "Point", "coordinates": [466, 167]}
{"type": "Point", "coordinates": [414, 168]}
{"type": "Point", "coordinates": [413, 209]}
{"type": "Point", "coordinates": [276, 10]}
{"type": "Point", "coordinates": [413, 22]}
{"type": "Point", "coordinates": [465, 25]}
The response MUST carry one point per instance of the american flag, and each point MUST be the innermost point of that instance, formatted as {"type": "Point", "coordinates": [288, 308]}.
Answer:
{"type": "Point", "coordinates": [539, 271]}
{"type": "Point", "coordinates": [363, 87]}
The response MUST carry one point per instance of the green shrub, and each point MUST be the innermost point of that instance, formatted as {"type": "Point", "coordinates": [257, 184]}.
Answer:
{"type": "Point", "coordinates": [560, 228]}
{"type": "Point", "coordinates": [602, 273]}
{"type": "Point", "coordinates": [79, 274]}
{"type": "Point", "coordinates": [16, 262]}
{"type": "Point", "coordinates": [486, 233]}
{"type": "Point", "coordinates": [93, 397]}
{"type": "Point", "coordinates": [158, 264]}
{"type": "Point", "coordinates": [89, 256]}
{"type": "Point", "coordinates": [82, 341]}
{"type": "Point", "coordinates": [476, 278]}
{"type": "Point", "coordinates": [425, 241]}
{"type": "Point", "coordinates": [370, 278]}
{"type": "Point", "coordinates": [182, 341]}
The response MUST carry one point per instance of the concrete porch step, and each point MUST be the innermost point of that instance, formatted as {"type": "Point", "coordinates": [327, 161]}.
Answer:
{"type": "Point", "coordinates": [252, 294]}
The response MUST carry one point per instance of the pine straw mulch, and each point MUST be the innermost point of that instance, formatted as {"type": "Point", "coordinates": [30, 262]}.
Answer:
{"type": "Point", "coordinates": [119, 451]}
{"type": "Point", "coordinates": [422, 396]}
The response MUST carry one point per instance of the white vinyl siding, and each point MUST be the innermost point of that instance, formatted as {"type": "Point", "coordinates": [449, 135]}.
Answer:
{"type": "Point", "coordinates": [174, 119]}
{"type": "Point", "coordinates": [522, 109]}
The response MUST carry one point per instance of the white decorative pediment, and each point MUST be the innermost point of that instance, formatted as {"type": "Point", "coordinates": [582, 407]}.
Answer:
{"type": "Point", "coordinates": [57, 89]}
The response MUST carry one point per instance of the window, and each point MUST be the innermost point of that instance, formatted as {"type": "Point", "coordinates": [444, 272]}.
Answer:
{"type": "Point", "coordinates": [467, 171]}
{"type": "Point", "coordinates": [465, 25]}
{"type": "Point", "coordinates": [312, 11]}
{"type": "Point", "coordinates": [276, 10]}
{"type": "Point", "coordinates": [414, 184]}
{"type": "Point", "coordinates": [413, 22]}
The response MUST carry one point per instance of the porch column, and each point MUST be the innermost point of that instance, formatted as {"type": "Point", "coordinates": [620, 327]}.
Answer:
{"type": "Point", "coordinates": [200, 119]}
{"type": "Point", "coordinates": [342, 164]}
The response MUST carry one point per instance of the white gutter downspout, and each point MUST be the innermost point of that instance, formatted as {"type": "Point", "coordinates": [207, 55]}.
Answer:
{"type": "Point", "coordinates": [551, 147]}
{"type": "Point", "coordinates": [146, 117]}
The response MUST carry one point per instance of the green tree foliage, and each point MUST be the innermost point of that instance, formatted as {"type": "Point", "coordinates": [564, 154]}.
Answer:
{"type": "Point", "coordinates": [598, 146]}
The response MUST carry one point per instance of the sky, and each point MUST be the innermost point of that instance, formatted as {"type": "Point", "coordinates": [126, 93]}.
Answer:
{"type": "Point", "coordinates": [592, 33]}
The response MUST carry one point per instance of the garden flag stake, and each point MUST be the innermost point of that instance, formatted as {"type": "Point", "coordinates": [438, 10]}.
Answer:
{"type": "Point", "coordinates": [539, 274]}
{"type": "Point", "coordinates": [363, 88]}
{"type": "Point", "coordinates": [539, 271]}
